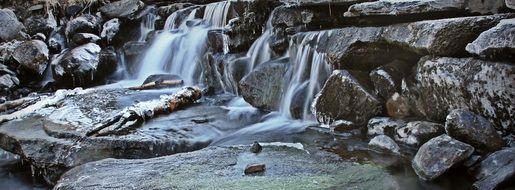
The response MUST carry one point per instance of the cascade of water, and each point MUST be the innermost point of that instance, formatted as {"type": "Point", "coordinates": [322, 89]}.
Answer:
{"type": "Point", "coordinates": [217, 13]}
{"type": "Point", "coordinates": [260, 50]}
{"type": "Point", "coordinates": [305, 77]}
{"type": "Point", "coordinates": [178, 49]}
{"type": "Point", "coordinates": [147, 25]}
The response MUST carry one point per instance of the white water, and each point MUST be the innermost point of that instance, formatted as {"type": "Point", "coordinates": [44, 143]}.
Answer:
{"type": "Point", "coordinates": [147, 25]}
{"type": "Point", "coordinates": [306, 75]}
{"type": "Point", "coordinates": [179, 49]}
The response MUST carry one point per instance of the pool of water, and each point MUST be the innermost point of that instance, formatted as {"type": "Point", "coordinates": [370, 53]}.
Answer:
{"type": "Point", "coordinates": [15, 175]}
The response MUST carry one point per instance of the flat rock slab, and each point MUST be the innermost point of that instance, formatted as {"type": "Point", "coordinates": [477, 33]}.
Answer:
{"type": "Point", "coordinates": [223, 168]}
{"type": "Point", "coordinates": [54, 139]}
{"type": "Point", "coordinates": [497, 42]}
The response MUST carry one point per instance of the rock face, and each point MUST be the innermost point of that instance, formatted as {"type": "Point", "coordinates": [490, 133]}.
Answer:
{"type": "Point", "coordinates": [122, 9]}
{"type": "Point", "coordinates": [222, 72]}
{"type": "Point", "coordinates": [384, 143]}
{"type": "Point", "coordinates": [497, 42]}
{"type": "Point", "coordinates": [483, 87]}
{"type": "Point", "coordinates": [358, 104]}
{"type": "Point", "coordinates": [265, 79]}
{"type": "Point", "coordinates": [223, 167]}
{"type": "Point", "coordinates": [32, 56]}
{"type": "Point", "coordinates": [83, 24]}
{"type": "Point", "coordinates": [77, 66]}
{"type": "Point", "coordinates": [412, 7]}
{"type": "Point", "coordinates": [438, 155]}
{"type": "Point", "coordinates": [418, 132]}
{"type": "Point", "coordinates": [473, 129]}
{"type": "Point", "coordinates": [10, 27]}
{"type": "Point", "coordinates": [496, 171]}
{"type": "Point", "coordinates": [366, 48]}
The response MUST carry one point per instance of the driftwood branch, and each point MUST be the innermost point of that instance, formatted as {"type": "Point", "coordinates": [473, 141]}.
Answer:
{"type": "Point", "coordinates": [13, 104]}
{"type": "Point", "coordinates": [132, 117]}
{"type": "Point", "coordinates": [158, 85]}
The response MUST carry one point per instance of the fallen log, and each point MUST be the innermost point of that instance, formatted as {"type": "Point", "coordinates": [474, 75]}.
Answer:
{"type": "Point", "coordinates": [158, 85]}
{"type": "Point", "coordinates": [13, 104]}
{"type": "Point", "coordinates": [131, 117]}
{"type": "Point", "coordinates": [45, 101]}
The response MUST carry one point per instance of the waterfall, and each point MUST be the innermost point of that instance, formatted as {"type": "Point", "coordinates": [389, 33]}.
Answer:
{"type": "Point", "coordinates": [305, 77]}
{"type": "Point", "coordinates": [179, 48]}
{"type": "Point", "coordinates": [260, 50]}
{"type": "Point", "coordinates": [147, 25]}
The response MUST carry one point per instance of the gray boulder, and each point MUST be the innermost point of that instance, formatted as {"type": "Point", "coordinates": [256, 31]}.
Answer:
{"type": "Point", "coordinates": [77, 67]}
{"type": "Point", "coordinates": [418, 132]}
{"type": "Point", "coordinates": [110, 29]}
{"type": "Point", "coordinates": [84, 24]}
{"type": "Point", "coordinates": [32, 56]}
{"type": "Point", "coordinates": [357, 104]}
{"type": "Point", "coordinates": [223, 168]}
{"type": "Point", "coordinates": [122, 9]}
{"type": "Point", "coordinates": [8, 81]}
{"type": "Point", "coordinates": [263, 86]}
{"type": "Point", "coordinates": [10, 27]}
{"type": "Point", "coordinates": [84, 38]}
{"type": "Point", "coordinates": [40, 24]}
{"type": "Point", "coordinates": [387, 79]}
{"type": "Point", "coordinates": [384, 143]}
{"type": "Point", "coordinates": [439, 154]}
{"type": "Point", "coordinates": [483, 87]}
{"type": "Point", "coordinates": [366, 48]}
{"type": "Point", "coordinates": [510, 4]}
{"type": "Point", "coordinates": [412, 7]}
{"type": "Point", "coordinates": [473, 129]}
{"type": "Point", "coordinates": [497, 42]}
{"type": "Point", "coordinates": [496, 171]}
{"type": "Point", "coordinates": [161, 77]}
{"type": "Point", "coordinates": [383, 126]}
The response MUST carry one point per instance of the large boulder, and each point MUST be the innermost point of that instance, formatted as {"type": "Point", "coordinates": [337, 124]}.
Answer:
{"type": "Point", "coordinates": [223, 168]}
{"type": "Point", "coordinates": [84, 24]}
{"type": "Point", "coordinates": [384, 143]}
{"type": "Point", "coordinates": [263, 86]}
{"type": "Point", "coordinates": [125, 9]}
{"type": "Point", "coordinates": [77, 67]}
{"type": "Point", "coordinates": [366, 48]}
{"type": "Point", "coordinates": [473, 129]}
{"type": "Point", "coordinates": [110, 29]}
{"type": "Point", "coordinates": [10, 27]}
{"type": "Point", "coordinates": [496, 171]}
{"type": "Point", "coordinates": [223, 72]}
{"type": "Point", "coordinates": [497, 42]}
{"type": "Point", "coordinates": [419, 7]}
{"type": "Point", "coordinates": [444, 84]}
{"type": "Point", "coordinates": [418, 132]}
{"type": "Point", "coordinates": [84, 38]}
{"type": "Point", "coordinates": [358, 104]}
{"type": "Point", "coordinates": [32, 56]}
{"type": "Point", "coordinates": [438, 155]}
{"type": "Point", "coordinates": [39, 24]}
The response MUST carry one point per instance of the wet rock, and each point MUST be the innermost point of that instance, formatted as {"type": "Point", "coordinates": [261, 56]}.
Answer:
{"type": "Point", "coordinates": [8, 81]}
{"type": "Point", "coordinates": [39, 24]}
{"type": "Point", "coordinates": [7, 49]}
{"type": "Point", "coordinates": [418, 132]}
{"type": "Point", "coordinates": [473, 129]}
{"type": "Point", "coordinates": [510, 4]}
{"type": "Point", "coordinates": [264, 79]}
{"type": "Point", "coordinates": [73, 10]}
{"type": "Point", "coordinates": [254, 168]}
{"type": "Point", "coordinates": [77, 67]}
{"type": "Point", "coordinates": [256, 148]}
{"type": "Point", "coordinates": [107, 65]}
{"type": "Point", "coordinates": [496, 171]}
{"type": "Point", "coordinates": [32, 56]}
{"type": "Point", "coordinates": [122, 9]}
{"type": "Point", "coordinates": [167, 10]}
{"type": "Point", "coordinates": [84, 24]}
{"type": "Point", "coordinates": [387, 79]}
{"type": "Point", "coordinates": [398, 106]}
{"type": "Point", "coordinates": [366, 48]}
{"type": "Point", "coordinates": [419, 7]}
{"type": "Point", "coordinates": [286, 167]}
{"type": "Point", "coordinates": [84, 38]}
{"type": "Point", "coordinates": [5, 70]}
{"type": "Point", "coordinates": [497, 42]}
{"type": "Point", "coordinates": [357, 104]}
{"type": "Point", "coordinates": [10, 27]}
{"type": "Point", "coordinates": [56, 42]}
{"type": "Point", "coordinates": [483, 87]}
{"type": "Point", "coordinates": [384, 126]}
{"type": "Point", "coordinates": [222, 72]}
{"type": "Point", "coordinates": [438, 155]}
{"type": "Point", "coordinates": [39, 36]}
{"type": "Point", "coordinates": [110, 29]}
{"type": "Point", "coordinates": [384, 143]}
{"type": "Point", "coordinates": [161, 77]}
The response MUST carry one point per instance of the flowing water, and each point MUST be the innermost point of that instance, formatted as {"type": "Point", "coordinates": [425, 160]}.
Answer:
{"type": "Point", "coordinates": [147, 25]}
